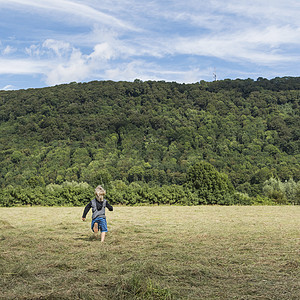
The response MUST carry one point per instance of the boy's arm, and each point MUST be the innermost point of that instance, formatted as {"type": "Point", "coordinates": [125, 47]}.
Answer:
{"type": "Point", "coordinates": [110, 208]}
{"type": "Point", "coordinates": [86, 210]}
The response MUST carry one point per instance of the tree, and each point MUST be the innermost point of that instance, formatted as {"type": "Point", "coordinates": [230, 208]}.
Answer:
{"type": "Point", "coordinates": [211, 186]}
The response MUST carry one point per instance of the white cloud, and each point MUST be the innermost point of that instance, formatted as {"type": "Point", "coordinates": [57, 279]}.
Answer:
{"type": "Point", "coordinates": [34, 51]}
{"type": "Point", "coordinates": [74, 70]}
{"type": "Point", "coordinates": [23, 66]}
{"type": "Point", "coordinates": [49, 48]}
{"type": "Point", "coordinates": [59, 48]}
{"type": "Point", "coordinates": [8, 50]}
{"type": "Point", "coordinates": [102, 51]}
{"type": "Point", "coordinates": [8, 87]}
{"type": "Point", "coordinates": [278, 11]}
{"type": "Point", "coordinates": [131, 70]}
{"type": "Point", "coordinates": [254, 45]}
{"type": "Point", "coordinates": [78, 66]}
{"type": "Point", "coordinates": [85, 12]}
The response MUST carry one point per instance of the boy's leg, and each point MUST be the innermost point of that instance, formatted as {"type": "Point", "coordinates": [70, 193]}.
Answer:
{"type": "Point", "coordinates": [102, 236]}
{"type": "Point", "coordinates": [103, 228]}
{"type": "Point", "coordinates": [96, 229]}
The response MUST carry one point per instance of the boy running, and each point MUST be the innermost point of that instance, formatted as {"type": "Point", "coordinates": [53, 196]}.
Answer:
{"type": "Point", "coordinates": [98, 205]}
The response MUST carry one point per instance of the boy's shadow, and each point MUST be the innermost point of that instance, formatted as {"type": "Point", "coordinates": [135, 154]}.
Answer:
{"type": "Point", "coordinates": [87, 238]}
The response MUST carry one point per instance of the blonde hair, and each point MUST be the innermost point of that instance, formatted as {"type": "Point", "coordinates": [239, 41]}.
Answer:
{"type": "Point", "coordinates": [99, 192]}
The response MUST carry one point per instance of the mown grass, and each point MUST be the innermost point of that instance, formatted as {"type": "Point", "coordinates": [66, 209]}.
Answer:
{"type": "Point", "coordinates": [159, 252]}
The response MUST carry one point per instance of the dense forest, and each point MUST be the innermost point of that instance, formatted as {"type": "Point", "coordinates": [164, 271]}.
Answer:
{"type": "Point", "coordinates": [148, 140]}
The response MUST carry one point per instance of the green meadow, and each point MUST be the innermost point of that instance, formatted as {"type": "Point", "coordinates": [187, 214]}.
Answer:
{"type": "Point", "coordinates": [151, 252]}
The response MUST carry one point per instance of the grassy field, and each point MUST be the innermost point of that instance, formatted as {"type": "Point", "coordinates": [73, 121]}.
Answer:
{"type": "Point", "coordinates": [159, 252]}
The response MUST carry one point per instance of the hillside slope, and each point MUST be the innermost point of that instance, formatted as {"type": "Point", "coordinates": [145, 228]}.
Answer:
{"type": "Point", "coordinates": [151, 132]}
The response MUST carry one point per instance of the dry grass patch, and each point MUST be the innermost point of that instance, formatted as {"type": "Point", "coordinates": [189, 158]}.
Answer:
{"type": "Point", "coordinates": [159, 252]}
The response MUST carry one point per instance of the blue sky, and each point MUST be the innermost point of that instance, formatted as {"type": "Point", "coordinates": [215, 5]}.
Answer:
{"type": "Point", "coordinates": [49, 42]}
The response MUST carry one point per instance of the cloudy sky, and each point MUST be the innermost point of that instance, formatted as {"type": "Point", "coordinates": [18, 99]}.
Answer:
{"type": "Point", "coordinates": [49, 42]}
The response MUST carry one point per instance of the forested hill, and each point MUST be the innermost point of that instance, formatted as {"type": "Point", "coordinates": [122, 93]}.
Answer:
{"type": "Point", "coordinates": [151, 132]}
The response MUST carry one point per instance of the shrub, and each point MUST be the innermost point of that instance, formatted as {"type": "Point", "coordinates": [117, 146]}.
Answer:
{"type": "Point", "coordinates": [241, 199]}
{"type": "Point", "coordinates": [259, 200]}
{"type": "Point", "coordinates": [210, 186]}
{"type": "Point", "coordinates": [282, 192]}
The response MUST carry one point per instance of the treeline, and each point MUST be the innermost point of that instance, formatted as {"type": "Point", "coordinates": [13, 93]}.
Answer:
{"type": "Point", "coordinates": [149, 134]}
{"type": "Point", "coordinates": [204, 185]}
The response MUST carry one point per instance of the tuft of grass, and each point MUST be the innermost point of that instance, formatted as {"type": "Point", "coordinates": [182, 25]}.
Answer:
{"type": "Point", "coordinates": [5, 225]}
{"type": "Point", "coordinates": [151, 252]}
{"type": "Point", "coordinates": [140, 287]}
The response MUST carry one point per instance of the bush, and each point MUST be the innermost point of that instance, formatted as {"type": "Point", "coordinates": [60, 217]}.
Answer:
{"type": "Point", "coordinates": [210, 186]}
{"type": "Point", "coordinates": [282, 192]}
{"type": "Point", "coordinates": [219, 192]}
{"type": "Point", "coordinates": [69, 193]}
{"type": "Point", "coordinates": [259, 200]}
{"type": "Point", "coordinates": [11, 196]}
